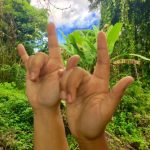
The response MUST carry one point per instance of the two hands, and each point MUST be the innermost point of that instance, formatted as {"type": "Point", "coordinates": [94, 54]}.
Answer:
{"type": "Point", "coordinates": [90, 103]}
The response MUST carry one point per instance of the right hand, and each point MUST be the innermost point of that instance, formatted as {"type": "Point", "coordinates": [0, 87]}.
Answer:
{"type": "Point", "coordinates": [90, 103]}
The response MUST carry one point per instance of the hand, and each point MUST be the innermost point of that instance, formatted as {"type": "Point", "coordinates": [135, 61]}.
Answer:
{"type": "Point", "coordinates": [90, 103]}
{"type": "Point", "coordinates": [42, 80]}
{"type": "Point", "coordinates": [42, 89]}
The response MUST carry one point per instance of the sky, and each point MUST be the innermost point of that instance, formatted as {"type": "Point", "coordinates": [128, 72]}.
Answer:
{"type": "Point", "coordinates": [76, 16]}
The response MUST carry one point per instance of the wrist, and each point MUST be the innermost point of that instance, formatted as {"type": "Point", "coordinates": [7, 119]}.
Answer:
{"type": "Point", "coordinates": [99, 143]}
{"type": "Point", "coordinates": [42, 110]}
{"type": "Point", "coordinates": [49, 130]}
{"type": "Point", "coordinates": [47, 116]}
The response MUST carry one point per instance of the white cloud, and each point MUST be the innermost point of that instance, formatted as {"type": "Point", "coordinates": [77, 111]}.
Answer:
{"type": "Point", "coordinates": [75, 17]}
{"type": "Point", "coordinates": [78, 10]}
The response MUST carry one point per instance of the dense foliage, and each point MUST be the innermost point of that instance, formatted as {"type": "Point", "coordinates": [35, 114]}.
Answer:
{"type": "Point", "coordinates": [19, 23]}
{"type": "Point", "coordinates": [135, 16]}
{"type": "Point", "coordinates": [126, 23]}
{"type": "Point", "coordinates": [16, 120]}
{"type": "Point", "coordinates": [16, 123]}
{"type": "Point", "coordinates": [84, 43]}
{"type": "Point", "coordinates": [130, 127]}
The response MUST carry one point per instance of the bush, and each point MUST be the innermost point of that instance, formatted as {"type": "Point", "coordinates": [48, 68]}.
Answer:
{"type": "Point", "coordinates": [13, 73]}
{"type": "Point", "coordinates": [129, 128]}
{"type": "Point", "coordinates": [16, 117]}
{"type": "Point", "coordinates": [131, 122]}
{"type": "Point", "coordinates": [16, 125]}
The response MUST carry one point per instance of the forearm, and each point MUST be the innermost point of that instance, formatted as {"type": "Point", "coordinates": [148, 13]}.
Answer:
{"type": "Point", "coordinates": [94, 144]}
{"type": "Point", "coordinates": [49, 133]}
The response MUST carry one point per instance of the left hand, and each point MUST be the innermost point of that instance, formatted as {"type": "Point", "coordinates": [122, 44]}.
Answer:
{"type": "Point", "coordinates": [42, 80]}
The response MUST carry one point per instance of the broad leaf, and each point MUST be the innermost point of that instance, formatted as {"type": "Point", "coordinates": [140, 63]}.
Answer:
{"type": "Point", "coordinates": [113, 36]}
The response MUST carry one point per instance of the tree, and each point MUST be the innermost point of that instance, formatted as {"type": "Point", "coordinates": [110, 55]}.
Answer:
{"type": "Point", "coordinates": [21, 22]}
{"type": "Point", "coordinates": [94, 4]}
{"type": "Point", "coordinates": [135, 16]}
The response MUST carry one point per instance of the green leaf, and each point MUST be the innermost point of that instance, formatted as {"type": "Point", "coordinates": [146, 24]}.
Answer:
{"type": "Point", "coordinates": [113, 36]}
{"type": "Point", "coordinates": [140, 56]}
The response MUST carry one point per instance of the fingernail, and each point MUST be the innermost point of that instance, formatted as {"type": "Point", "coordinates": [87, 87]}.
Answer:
{"type": "Point", "coordinates": [63, 95]}
{"type": "Point", "coordinates": [69, 98]}
{"type": "Point", "coordinates": [32, 76]}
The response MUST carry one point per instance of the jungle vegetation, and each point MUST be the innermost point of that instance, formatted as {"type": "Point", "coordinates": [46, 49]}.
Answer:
{"type": "Point", "coordinates": [127, 25]}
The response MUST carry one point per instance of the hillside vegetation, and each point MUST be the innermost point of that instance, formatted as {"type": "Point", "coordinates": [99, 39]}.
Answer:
{"type": "Point", "coordinates": [126, 26]}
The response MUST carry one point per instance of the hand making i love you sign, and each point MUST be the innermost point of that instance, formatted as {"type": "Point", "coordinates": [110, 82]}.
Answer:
{"type": "Point", "coordinates": [42, 80]}
{"type": "Point", "coordinates": [90, 102]}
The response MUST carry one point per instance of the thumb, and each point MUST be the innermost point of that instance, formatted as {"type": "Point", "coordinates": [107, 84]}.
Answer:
{"type": "Point", "coordinates": [119, 89]}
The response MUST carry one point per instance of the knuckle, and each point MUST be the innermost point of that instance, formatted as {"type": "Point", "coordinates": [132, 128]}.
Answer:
{"type": "Point", "coordinates": [103, 62]}
{"type": "Point", "coordinates": [34, 66]}
{"type": "Point", "coordinates": [40, 54]}
{"type": "Point", "coordinates": [78, 69]}
{"type": "Point", "coordinates": [31, 57]}
{"type": "Point", "coordinates": [35, 63]}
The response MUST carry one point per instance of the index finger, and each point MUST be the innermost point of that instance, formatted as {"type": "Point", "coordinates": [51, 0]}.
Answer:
{"type": "Point", "coordinates": [22, 53]}
{"type": "Point", "coordinates": [102, 69]}
{"type": "Point", "coordinates": [53, 45]}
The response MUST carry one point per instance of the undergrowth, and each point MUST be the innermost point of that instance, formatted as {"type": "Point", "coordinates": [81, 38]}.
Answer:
{"type": "Point", "coordinates": [128, 129]}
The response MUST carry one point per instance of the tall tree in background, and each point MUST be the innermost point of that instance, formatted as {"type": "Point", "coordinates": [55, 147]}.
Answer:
{"type": "Point", "coordinates": [94, 4]}
{"type": "Point", "coordinates": [21, 22]}
{"type": "Point", "coordinates": [135, 16]}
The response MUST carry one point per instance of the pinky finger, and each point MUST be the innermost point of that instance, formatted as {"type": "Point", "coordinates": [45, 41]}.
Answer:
{"type": "Point", "coordinates": [23, 54]}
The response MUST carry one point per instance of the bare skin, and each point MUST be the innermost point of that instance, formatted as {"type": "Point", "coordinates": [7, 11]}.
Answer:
{"type": "Point", "coordinates": [42, 89]}
{"type": "Point", "coordinates": [90, 103]}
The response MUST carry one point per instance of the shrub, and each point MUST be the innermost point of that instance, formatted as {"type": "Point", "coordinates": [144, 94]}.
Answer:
{"type": "Point", "coordinates": [131, 123]}
{"type": "Point", "coordinates": [13, 73]}
{"type": "Point", "coordinates": [129, 128]}
{"type": "Point", "coordinates": [16, 117]}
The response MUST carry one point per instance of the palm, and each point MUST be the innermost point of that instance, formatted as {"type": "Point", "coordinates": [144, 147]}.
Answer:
{"type": "Point", "coordinates": [89, 109]}
{"type": "Point", "coordinates": [45, 91]}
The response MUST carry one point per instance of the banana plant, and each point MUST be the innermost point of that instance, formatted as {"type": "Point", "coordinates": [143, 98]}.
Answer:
{"type": "Point", "coordinates": [83, 43]}
{"type": "Point", "coordinates": [112, 35]}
